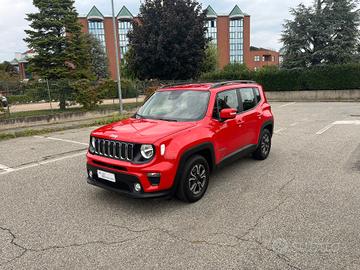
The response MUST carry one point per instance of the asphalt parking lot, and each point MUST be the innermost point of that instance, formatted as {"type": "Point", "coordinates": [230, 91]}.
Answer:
{"type": "Point", "coordinates": [299, 209]}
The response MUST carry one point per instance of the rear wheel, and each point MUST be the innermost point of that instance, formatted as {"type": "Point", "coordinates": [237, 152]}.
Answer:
{"type": "Point", "coordinates": [194, 180]}
{"type": "Point", "coordinates": [264, 147]}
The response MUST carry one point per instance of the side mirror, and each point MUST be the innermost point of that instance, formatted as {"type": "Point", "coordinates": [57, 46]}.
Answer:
{"type": "Point", "coordinates": [227, 114]}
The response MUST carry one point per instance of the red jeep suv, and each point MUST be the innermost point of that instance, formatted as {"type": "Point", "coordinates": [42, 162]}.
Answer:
{"type": "Point", "coordinates": [181, 134]}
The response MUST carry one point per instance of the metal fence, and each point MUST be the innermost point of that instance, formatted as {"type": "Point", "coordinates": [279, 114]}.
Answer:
{"type": "Point", "coordinates": [46, 95]}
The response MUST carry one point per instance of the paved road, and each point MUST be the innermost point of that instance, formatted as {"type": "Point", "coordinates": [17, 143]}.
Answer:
{"type": "Point", "coordinates": [297, 210]}
{"type": "Point", "coordinates": [55, 105]}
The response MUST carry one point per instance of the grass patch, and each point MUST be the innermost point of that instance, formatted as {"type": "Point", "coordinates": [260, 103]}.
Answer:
{"type": "Point", "coordinates": [110, 107]}
{"type": "Point", "coordinates": [34, 132]}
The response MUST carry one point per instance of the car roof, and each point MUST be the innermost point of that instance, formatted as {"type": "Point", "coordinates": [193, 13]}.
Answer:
{"type": "Point", "coordinates": [213, 87]}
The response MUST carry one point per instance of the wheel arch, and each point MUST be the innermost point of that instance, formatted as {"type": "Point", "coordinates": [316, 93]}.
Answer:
{"type": "Point", "coordinates": [205, 149]}
{"type": "Point", "coordinates": [269, 125]}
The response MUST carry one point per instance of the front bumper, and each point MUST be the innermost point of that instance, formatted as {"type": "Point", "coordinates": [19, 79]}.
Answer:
{"type": "Point", "coordinates": [124, 184]}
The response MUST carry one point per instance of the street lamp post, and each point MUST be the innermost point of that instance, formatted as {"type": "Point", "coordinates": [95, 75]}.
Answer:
{"type": "Point", "coordinates": [117, 57]}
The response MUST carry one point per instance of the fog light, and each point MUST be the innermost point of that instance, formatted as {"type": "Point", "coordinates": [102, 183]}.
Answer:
{"type": "Point", "coordinates": [137, 187]}
{"type": "Point", "coordinates": [91, 174]}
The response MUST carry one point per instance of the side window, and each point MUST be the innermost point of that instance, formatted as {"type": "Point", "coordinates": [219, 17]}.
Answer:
{"type": "Point", "coordinates": [248, 98]}
{"type": "Point", "coordinates": [226, 100]}
{"type": "Point", "coordinates": [257, 94]}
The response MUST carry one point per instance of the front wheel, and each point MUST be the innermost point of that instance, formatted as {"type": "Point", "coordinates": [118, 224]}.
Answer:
{"type": "Point", "coordinates": [194, 180]}
{"type": "Point", "coordinates": [264, 147]}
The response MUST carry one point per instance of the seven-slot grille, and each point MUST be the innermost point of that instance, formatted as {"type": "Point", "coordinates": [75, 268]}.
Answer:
{"type": "Point", "coordinates": [114, 149]}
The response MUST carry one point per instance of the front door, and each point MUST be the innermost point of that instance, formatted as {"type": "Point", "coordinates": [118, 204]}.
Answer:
{"type": "Point", "coordinates": [227, 133]}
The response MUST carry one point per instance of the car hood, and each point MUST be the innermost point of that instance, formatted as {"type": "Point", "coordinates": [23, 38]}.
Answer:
{"type": "Point", "coordinates": [140, 130]}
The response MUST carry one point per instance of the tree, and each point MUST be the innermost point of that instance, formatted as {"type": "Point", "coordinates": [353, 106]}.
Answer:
{"type": "Point", "coordinates": [55, 35]}
{"type": "Point", "coordinates": [344, 32]}
{"type": "Point", "coordinates": [325, 33]}
{"type": "Point", "coordinates": [99, 60]}
{"type": "Point", "coordinates": [210, 62]}
{"type": "Point", "coordinates": [8, 72]}
{"type": "Point", "coordinates": [168, 40]}
{"type": "Point", "coordinates": [126, 71]}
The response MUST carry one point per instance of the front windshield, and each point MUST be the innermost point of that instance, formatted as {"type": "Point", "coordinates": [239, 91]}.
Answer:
{"type": "Point", "coordinates": [175, 106]}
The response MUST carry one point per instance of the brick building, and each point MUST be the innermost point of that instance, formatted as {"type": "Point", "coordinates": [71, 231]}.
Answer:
{"type": "Point", "coordinates": [260, 57]}
{"type": "Point", "coordinates": [230, 33]}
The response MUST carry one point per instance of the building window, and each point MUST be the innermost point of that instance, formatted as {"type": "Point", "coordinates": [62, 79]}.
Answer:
{"type": "Point", "coordinates": [237, 41]}
{"type": "Point", "coordinates": [267, 58]}
{"type": "Point", "coordinates": [211, 31]}
{"type": "Point", "coordinates": [124, 28]}
{"type": "Point", "coordinates": [96, 28]}
{"type": "Point", "coordinates": [257, 58]}
{"type": "Point", "coordinates": [273, 58]}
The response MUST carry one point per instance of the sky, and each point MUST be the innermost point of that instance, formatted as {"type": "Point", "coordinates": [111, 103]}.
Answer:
{"type": "Point", "coordinates": [267, 17]}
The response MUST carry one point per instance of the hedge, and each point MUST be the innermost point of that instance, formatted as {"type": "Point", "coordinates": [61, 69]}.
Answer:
{"type": "Point", "coordinates": [335, 77]}
{"type": "Point", "coordinates": [20, 93]}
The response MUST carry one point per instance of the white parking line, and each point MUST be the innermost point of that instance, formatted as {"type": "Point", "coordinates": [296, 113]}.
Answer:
{"type": "Point", "coordinates": [293, 124]}
{"type": "Point", "coordinates": [321, 131]}
{"type": "Point", "coordinates": [61, 140]}
{"type": "Point", "coordinates": [287, 104]}
{"type": "Point", "coordinates": [345, 122]}
{"type": "Point", "coordinates": [5, 168]}
{"type": "Point", "coordinates": [279, 130]}
{"type": "Point", "coordinates": [10, 170]}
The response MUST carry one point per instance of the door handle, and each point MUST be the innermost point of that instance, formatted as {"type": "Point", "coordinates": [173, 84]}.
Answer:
{"type": "Point", "coordinates": [259, 115]}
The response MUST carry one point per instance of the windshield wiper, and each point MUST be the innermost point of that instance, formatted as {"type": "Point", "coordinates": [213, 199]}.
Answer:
{"type": "Point", "coordinates": [168, 120]}
{"type": "Point", "coordinates": [138, 116]}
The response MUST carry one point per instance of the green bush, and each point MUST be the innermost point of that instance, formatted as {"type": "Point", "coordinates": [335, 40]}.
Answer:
{"type": "Point", "coordinates": [88, 93]}
{"type": "Point", "coordinates": [129, 89]}
{"type": "Point", "coordinates": [19, 99]}
{"type": "Point", "coordinates": [334, 77]}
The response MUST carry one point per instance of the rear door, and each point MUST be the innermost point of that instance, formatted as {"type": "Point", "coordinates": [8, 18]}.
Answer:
{"type": "Point", "coordinates": [250, 115]}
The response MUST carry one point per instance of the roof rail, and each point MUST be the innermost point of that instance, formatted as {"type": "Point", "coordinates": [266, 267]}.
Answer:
{"type": "Point", "coordinates": [176, 84]}
{"type": "Point", "coordinates": [220, 84]}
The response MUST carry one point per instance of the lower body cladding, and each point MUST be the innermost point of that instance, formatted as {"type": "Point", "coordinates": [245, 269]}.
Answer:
{"type": "Point", "coordinates": [121, 179]}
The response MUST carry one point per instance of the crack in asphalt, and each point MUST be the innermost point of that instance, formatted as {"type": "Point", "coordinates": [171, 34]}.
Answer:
{"type": "Point", "coordinates": [282, 257]}
{"type": "Point", "coordinates": [261, 217]}
{"type": "Point", "coordinates": [12, 242]}
{"type": "Point", "coordinates": [241, 238]}
{"type": "Point", "coordinates": [46, 158]}
{"type": "Point", "coordinates": [24, 249]}
{"type": "Point", "coordinates": [286, 184]}
{"type": "Point", "coordinates": [172, 235]}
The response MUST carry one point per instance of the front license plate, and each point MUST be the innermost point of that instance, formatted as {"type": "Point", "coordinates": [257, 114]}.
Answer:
{"type": "Point", "coordinates": [106, 176]}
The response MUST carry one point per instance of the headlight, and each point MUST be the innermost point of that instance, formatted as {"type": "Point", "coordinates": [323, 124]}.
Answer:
{"type": "Point", "coordinates": [92, 145]}
{"type": "Point", "coordinates": [147, 151]}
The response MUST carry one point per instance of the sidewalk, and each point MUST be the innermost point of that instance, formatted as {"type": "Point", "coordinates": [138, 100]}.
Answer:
{"type": "Point", "coordinates": [55, 105]}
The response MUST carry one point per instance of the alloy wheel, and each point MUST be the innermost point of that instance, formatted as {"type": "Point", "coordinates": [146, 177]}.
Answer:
{"type": "Point", "coordinates": [265, 144]}
{"type": "Point", "coordinates": [197, 179]}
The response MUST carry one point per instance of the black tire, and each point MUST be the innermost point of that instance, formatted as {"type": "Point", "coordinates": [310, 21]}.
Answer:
{"type": "Point", "coordinates": [194, 180]}
{"type": "Point", "coordinates": [264, 147]}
